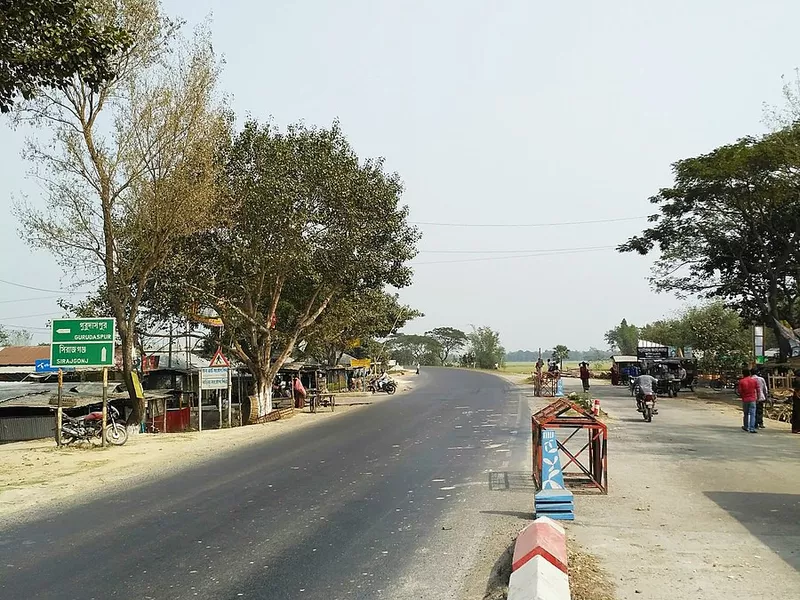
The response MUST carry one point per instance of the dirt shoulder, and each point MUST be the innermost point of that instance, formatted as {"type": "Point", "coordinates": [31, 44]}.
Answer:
{"type": "Point", "coordinates": [37, 476]}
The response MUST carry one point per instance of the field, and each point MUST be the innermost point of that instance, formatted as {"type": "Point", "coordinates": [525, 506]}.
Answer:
{"type": "Point", "coordinates": [529, 367]}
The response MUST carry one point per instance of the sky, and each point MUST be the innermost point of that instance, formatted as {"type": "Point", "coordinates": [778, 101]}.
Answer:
{"type": "Point", "coordinates": [505, 112]}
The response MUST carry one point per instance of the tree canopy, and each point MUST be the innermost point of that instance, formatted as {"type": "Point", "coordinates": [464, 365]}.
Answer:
{"type": "Point", "coordinates": [45, 43]}
{"type": "Point", "coordinates": [561, 352]}
{"type": "Point", "coordinates": [729, 229]}
{"type": "Point", "coordinates": [624, 337]}
{"type": "Point", "coordinates": [302, 222]}
{"type": "Point", "coordinates": [354, 319]}
{"type": "Point", "coordinates": [485, 348]}
{"type": "Point", "coordinates": [716, 334]}
{"type": "Point", "coordinates": [409, 349]}
{"type": "Point", "coordinates": [132, 166]}
{"type": "Point", "coordinates": [449, 340]}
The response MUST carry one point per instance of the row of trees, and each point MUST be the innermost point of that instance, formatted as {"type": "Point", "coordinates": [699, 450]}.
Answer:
{"type": "Point", "coordinates": [15, 337]}
{"type": "Point", "coordinates": [561, 352]}
{"type": "Point", "coordinates": [729, 228]}
{"type": "Point", "coordinates": [156, 197]}
{"type": "Point", "coordinates": [480, 348]}
{"type": "Point", "coordinates": [435, 347]}
{"type": "Point", "coordinates": [718, 335]}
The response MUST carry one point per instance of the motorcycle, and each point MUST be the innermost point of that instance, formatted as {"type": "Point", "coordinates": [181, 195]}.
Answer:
{"type": "Point", "coordinates": [89, 427]}
{"type": "Point", "coordinates": [646, 404]}
{"type": "Point", "coordinates": [389, 386]}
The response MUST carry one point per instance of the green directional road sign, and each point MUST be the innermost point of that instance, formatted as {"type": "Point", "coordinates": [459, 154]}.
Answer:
{"type": "Point", "coordinates": [82, 343]}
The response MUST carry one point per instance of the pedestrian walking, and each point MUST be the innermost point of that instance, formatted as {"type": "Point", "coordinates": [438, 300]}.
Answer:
{"type": "Point", "coordinates": [763, 396]}
{"type": "Point", "coordinates": [748, 392]}
{"type": "Point", "coordinates": [585, 376]}
{"type": "Point", "coordinates": [299, 392]}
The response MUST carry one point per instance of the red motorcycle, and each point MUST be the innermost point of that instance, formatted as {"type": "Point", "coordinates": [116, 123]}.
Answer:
{"type": "Point", "coordinates": [89, 427]}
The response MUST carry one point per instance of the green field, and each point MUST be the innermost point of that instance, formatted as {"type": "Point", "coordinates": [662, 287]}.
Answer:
{"type": "Point", "coordinates": [529, 367]}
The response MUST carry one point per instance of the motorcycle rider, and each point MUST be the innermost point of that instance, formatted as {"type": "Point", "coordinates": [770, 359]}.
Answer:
{"type": "Point", "coordinates": [645, 386]}
{"type": "Point", "coordinates": [382, 381]}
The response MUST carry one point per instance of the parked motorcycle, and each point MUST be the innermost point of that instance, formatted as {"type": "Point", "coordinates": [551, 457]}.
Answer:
{"type": "Point", "coordinates": [388, 386]}
{"type": "Point", "coordinates": [89, 427]}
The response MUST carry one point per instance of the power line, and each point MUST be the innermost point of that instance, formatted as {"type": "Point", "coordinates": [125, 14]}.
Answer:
{"type": "Point", "coordinates": [28, 287]}
{"type": "Point", "coordinates": [524, 251]}
{"type": "Point", "coordinates": [25, 327]}
{"type": "Point", "coordinates": [50, 314]}
{"type": "Point", "coordinates": [565, 223]}
{"type": "Point", "coordinates": [29, 299]}
{"type": "Point", "coordinates": [530, 255]}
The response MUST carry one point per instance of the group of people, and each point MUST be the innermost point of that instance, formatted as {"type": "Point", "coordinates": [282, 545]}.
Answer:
{"type": "Point", "coordinates": [754, 392]}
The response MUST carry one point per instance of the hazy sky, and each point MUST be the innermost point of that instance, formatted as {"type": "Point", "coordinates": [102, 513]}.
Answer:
{"type": "Point", "coordinates": [493, 112]}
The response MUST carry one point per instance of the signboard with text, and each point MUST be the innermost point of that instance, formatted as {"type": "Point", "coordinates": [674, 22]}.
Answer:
{"type": "Point", "coordinates": [82, 343]}
{"type": "Point", "coordinates": [214, 378]}
{"type": "Point", "coordinates": [652, 352]}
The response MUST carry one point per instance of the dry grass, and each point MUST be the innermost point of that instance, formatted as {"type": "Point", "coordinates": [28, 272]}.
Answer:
{"type": "Point", "coordinates": [587, 579]}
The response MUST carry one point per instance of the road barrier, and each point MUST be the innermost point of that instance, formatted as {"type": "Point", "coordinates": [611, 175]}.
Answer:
{"type": "Point", "coordinates": [539, 568]}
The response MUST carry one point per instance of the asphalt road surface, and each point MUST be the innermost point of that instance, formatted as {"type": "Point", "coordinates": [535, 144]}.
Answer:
{"type": "Point", "coordinates": [379, 503]}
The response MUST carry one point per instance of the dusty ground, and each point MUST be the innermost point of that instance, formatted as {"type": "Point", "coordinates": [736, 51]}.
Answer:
{"type": "Point", "coordinates": [697, 508]}
{"type": "Point", "coordinates": [37, 476]}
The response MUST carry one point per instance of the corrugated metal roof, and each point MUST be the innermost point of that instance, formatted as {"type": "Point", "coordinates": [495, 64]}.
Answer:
{"type": "Point", "coordinates": [625, 359]}
{"type": "Point", "coordinates": [39, 395]}
{"type": "Point", "coordinates": [23, 356]}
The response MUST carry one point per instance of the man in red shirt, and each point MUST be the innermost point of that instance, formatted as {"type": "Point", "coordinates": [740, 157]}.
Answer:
{"type": "Point", "coordinates": [748, 392]}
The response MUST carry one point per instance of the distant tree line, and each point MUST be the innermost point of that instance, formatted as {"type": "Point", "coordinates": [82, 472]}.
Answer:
{"type": "Point", "coordinates": [592, 354]}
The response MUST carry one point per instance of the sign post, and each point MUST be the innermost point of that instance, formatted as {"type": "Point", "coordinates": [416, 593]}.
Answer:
{"type": "Point", "coordinates": [215, 378]}
{"type": "Point", "coordinates": [105, 405]}
{"type": "Point", "coordinates": [200, 403]}
{"type": "Point", "coordinates": [230, 397]}
{"type": "Point", "coordinates": [59, 410]}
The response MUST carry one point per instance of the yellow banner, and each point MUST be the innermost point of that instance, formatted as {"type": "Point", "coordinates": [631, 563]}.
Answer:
{"type": "Point", "coordinates": [360, 362]}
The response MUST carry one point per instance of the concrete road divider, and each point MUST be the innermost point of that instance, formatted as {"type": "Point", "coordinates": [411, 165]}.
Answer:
{"type": "Point", "coordinates": [539, 567]}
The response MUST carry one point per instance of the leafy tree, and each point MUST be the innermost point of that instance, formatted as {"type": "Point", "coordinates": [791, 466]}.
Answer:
{"type": "Point", "coordinates": [449, 340]}
{"type": "Point", "coordinates": [3, 336]}
{"type": "Point", "coordinates": [485, 347]}
{"type": "Point", "coordinates": [729, 229]}
{"type": "Point", "coordinates": [20, 337]}
{"type": "Point", "coordinates": [718, 335]}
{"type": "Point", "coordinates": [44, 43]}
{"type": "Point", "coordinates": [409, 349]}
{"type": "Point", "coordinates": [561, 352]}
{"type": "Point", "coordinates": [353, 318]}
{"type": "Point", "coordinates": [306, 223]}
{"type": "Point", "coordinates": [624, 338]}
{"type": "Point", "coordinates": [132, 166]}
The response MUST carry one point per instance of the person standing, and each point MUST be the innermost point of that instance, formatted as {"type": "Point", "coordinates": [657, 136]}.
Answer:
{"type": "Point", "coordinates": [763, 395]}
{"type": "Point", "coordinates": [585, 376]}
{"type": "Point", "coordinates": [299, 392]}
{"type": "Point", "coordinates": [748, 392]}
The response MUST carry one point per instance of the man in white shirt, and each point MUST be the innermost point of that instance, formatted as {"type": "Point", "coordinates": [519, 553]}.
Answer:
{"type": "Point", "coordinates": [763, 394]}
{"type": "Point", "coordinates": [645, 385]}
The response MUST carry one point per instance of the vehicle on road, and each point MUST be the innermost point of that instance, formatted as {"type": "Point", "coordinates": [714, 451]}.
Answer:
{"type": "Point", "coordinates": [379, 385]}
{"type": "Point", "coordinates": [646, 404]}
{"type": "Point", "coordinates": [89, 427]}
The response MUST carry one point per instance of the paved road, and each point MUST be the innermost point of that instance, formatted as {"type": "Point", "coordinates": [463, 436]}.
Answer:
{"type": "Point", "coordinates": [390, 501]}
{"type": "Point", "coordinates": [697, 507]}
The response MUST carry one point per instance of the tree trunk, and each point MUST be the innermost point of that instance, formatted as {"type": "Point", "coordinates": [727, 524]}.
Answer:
{"type": "Point", "coordinates": [137, 415]}
{"type": "Point", "coordinates": [263, 392]}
